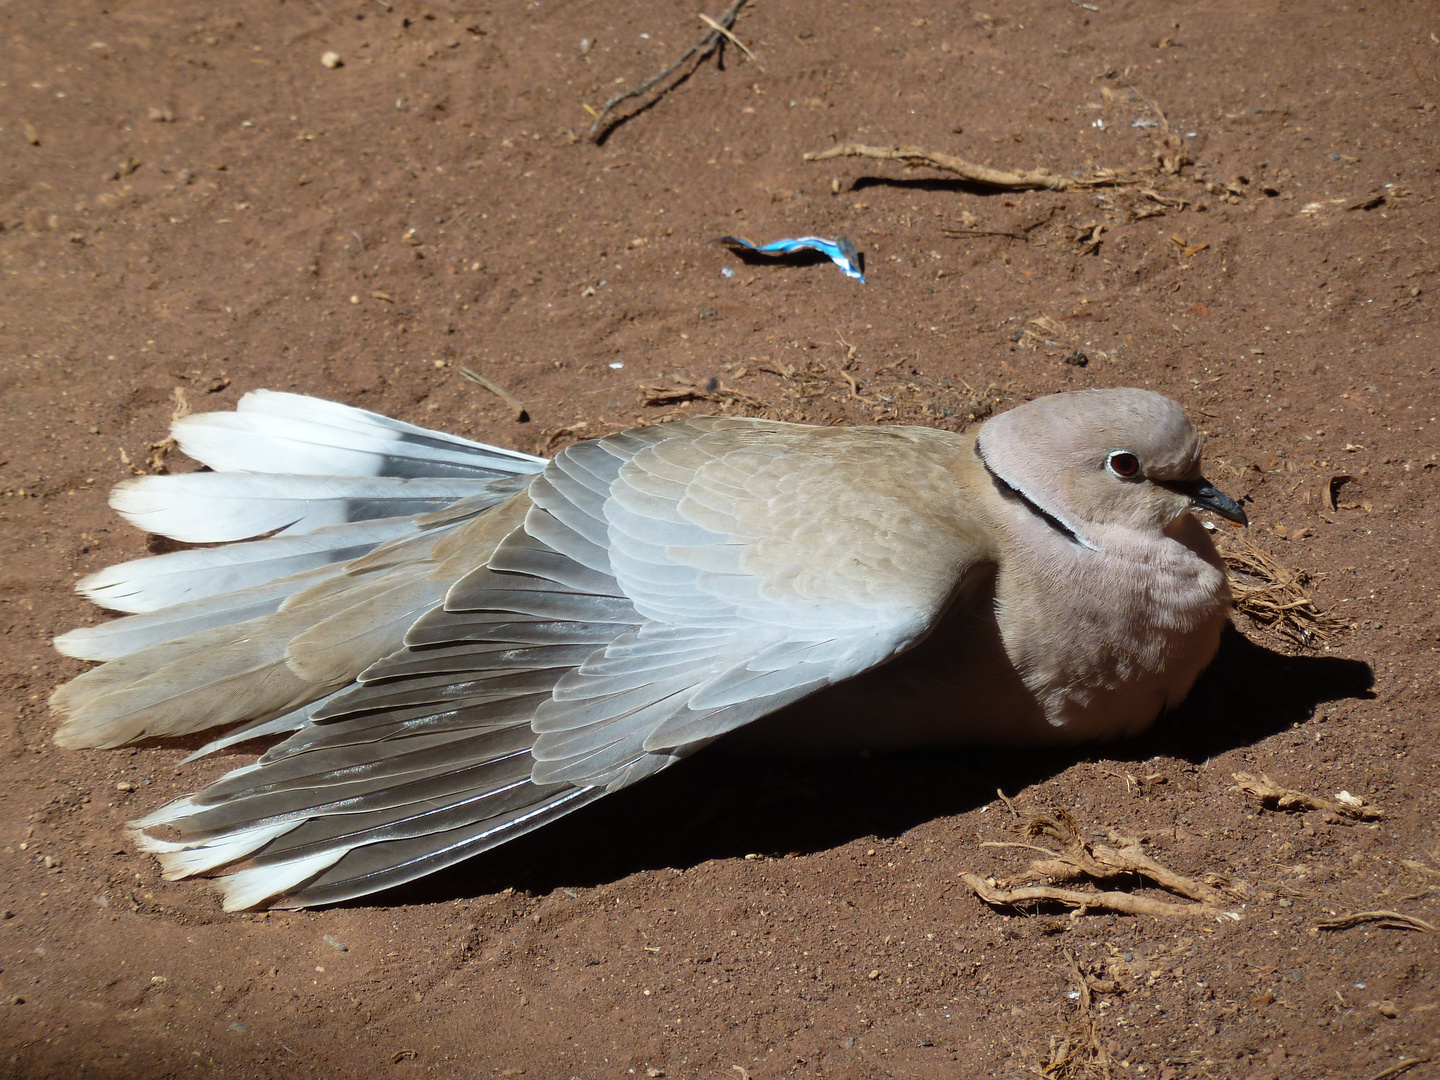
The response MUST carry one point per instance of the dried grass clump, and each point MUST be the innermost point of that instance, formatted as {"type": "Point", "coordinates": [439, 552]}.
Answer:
{"type": "Point", "coordinates": [1274, 595]}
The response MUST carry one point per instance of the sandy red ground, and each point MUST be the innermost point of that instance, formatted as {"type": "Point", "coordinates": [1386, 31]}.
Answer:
{"type": "Point", "coordinates": [189, 199]}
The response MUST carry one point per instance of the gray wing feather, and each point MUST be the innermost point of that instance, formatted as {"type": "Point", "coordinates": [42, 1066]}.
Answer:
{"type": "Point", "coordinates": [621, 626]}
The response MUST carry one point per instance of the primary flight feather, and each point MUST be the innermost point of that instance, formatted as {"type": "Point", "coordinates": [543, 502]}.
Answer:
{"type": "Point", "coordinates": [461, 643]}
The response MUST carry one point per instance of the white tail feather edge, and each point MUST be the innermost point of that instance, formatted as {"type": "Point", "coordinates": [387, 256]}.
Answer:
{"type": "Point", "coordinates": [276, 432]}
{"type": "Point", "coordinates": [182, 860]}
{"type": "Point", "coordinates": [180, 577]}
{"type": "Point", "coordinates": [249, 888]}
{"type": "Point", "coordinates": [212, 507]}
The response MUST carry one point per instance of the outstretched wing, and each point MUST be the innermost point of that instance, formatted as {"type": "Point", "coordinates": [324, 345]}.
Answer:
{"type": "Point", "coordinates": [666, 586]}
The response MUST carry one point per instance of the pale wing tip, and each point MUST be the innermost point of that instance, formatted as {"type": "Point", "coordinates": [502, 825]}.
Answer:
{"type": "Point", "coordinates": [250, 888]}
{"type": "Point", "coordinates": [182, 859]}
{"type": "Point", "coordinates": [132, 495]}
{"type": "Point", "coordinates": [113, 588]}
{"type": "Point", "coordinates": [77, 733]}
{"type": "Point", "coordinates": [98, 643]}
{"type": "Point", "coordinates": [171, 811]}
{"type": "Point", "coordinates": [66, 740]}
{"type": "Point", "coordinates": [72, 644]}
{"type": "Point", "coordinates": [81, 729]}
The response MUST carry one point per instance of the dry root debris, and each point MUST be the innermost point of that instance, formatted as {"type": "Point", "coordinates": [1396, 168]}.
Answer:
{"type": "Point", "coordinates": [1080, 860]}
{"type": "Point", "coordinates": [1273, 595]}
{"type": "Point", "coordinates": [1080, 1053]}
{"type": "Point", "coordinates": [157, 459]}
{"type": "Point", "coordinates": [1400, 1068]}
{"type": "Point", "coordinates": [1388, 920]}
{"type": "Point", "coordinates": [712, 390]}
{"type": "Point", "coordinates": [1029, 180]}
{"type": "Point", "coordinates": [1275, 797]}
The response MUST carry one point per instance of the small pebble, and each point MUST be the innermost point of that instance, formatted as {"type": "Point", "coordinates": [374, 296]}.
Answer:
{"type": "Point", "coordinates": [336, 943]}
{"type": "Point", "coordinates": [124, 785]}
{"type": "Point", "coordinates": [332, 60]}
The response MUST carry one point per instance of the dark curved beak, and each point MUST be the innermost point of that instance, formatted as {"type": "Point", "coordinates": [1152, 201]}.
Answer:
{"type": "Point", "coordinates": [1204, 496]}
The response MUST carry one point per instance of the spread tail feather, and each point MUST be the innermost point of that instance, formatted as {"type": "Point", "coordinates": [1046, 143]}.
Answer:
{"type": "Point", "coordinates": [274, 432]}
{"type": "Point", "coordinates": [212, 507]}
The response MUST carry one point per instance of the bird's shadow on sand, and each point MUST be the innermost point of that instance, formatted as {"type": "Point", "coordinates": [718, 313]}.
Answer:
{"type": "Point", "coordinates": [715, 806]}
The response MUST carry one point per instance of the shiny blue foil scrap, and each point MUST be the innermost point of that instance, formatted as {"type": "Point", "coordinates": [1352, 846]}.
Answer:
{"type": "Point", "coordinates": [841, 250]}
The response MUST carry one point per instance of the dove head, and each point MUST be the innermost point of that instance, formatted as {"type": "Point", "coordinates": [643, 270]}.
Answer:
{"type": "Point", "coordinates": [1102, 458]}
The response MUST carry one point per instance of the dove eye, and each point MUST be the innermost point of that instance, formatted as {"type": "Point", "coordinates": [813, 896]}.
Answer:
{"type": "Point", "coordinates": [1123, 464]}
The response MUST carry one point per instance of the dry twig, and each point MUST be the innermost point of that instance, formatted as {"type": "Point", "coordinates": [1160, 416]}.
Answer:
{"type": "Point", "coordinates": [1034, 179]}
{"type": "Point", "coordinates": [577, 430]}
{"type": "Point", "coordinates": [1389, 920]}
{"type": "Point", "coordinates": [1100, 862]}
{"type": "Point", "coordinates": [511, 401]}
{"type": "Point", "coordinates": [1273, 595]}
{"type": "Point", "coordinates": [1122, 903]}
{"type": "Point", "coordinates": [711, 390]}
{"type": "Point", "coordinates": [1079, 859]}
{"type": "Point", "coordinates": [1276, 797]}
{"type": "Point", "coordinates": [731, 36]}
{"type": "Point", "coordinates": [702, 48]}
{"type": "Point", "coordinates": [1398, 1068]}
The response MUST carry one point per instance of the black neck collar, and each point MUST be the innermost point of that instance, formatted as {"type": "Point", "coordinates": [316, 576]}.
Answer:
{"type": "Point", "coordinates": [1011, 491]}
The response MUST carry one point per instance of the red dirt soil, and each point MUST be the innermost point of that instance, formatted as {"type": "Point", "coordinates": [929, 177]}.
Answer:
{"type": "Point", "coordinates": [189, 199]}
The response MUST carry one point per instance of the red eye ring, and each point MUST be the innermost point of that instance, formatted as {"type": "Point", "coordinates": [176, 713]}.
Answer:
{"type": "Point", "coordinates": [1123, 464]}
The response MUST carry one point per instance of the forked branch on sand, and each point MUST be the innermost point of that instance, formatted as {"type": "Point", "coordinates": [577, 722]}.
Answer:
{"type": "Point", "coordinates": [1079, 859]}
{"type": "Point", "coordinates": [720, 31]}
{"type": "Point", "coordinates": [1034, 179]}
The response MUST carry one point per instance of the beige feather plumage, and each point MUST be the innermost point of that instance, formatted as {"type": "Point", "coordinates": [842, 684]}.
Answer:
{"type": "Point", "coordinates": [537, 635]}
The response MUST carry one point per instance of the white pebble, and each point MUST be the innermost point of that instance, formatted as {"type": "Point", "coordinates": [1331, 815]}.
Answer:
{"type": "Point", "coordinates": [332, 60]}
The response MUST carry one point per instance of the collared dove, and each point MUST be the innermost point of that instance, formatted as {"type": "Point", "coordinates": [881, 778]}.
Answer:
{"type": "Point", "coordinates": [462, 643]}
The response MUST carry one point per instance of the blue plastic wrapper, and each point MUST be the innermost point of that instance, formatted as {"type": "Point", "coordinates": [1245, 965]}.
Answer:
{"type": "Point", "coordinates": [841, 250]}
